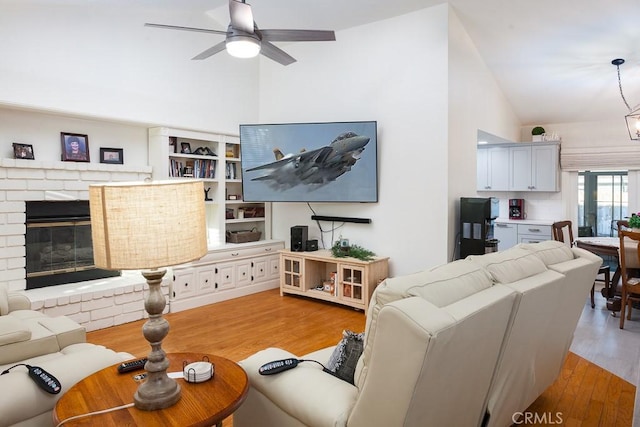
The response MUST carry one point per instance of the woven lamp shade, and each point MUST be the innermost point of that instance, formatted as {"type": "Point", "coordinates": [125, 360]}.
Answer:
{"type": "Point", "coordinates": [147, 225]}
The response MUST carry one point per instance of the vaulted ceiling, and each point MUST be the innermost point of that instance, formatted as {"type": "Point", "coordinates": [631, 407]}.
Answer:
{"type": "Point", "coordinates": [552, 58]}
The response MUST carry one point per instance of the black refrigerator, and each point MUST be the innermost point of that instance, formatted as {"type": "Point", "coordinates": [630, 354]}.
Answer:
{"type": "Point", "coordinates": [477, 215]}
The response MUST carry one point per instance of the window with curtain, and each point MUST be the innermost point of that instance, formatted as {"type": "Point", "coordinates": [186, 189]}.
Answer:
{"type": "Point", "coordinates": [602, 200]}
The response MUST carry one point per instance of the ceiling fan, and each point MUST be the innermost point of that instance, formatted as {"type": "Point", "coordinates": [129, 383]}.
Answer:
{"type": "Point", "coordinates": [245, 40]}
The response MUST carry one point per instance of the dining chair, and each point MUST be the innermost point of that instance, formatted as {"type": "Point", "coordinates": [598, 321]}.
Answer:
{"type": "Point", "coordinates": [629, 255]}
{"type": "Point", "coordinates": [562, 231]}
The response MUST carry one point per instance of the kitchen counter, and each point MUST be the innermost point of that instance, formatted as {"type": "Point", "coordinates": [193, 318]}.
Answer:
{"type": "Point", "coordinates": [526, 221]}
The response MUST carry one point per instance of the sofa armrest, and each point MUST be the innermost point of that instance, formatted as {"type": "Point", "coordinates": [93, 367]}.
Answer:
{"type": "Point", "coordinates": [18, 301]}
{"type": "Point", "coordinates": [306, 393]}
{"type": "Point", "coordinates": [13, 331]}
{"type": "Point", "coordinates": [23, 402]}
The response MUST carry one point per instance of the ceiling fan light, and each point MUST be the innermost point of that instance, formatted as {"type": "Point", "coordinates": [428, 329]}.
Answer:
{"type": "Point", "coordinates": [243, 46]}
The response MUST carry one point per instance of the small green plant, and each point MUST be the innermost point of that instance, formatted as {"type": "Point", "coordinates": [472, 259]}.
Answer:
{"type": "Point", "coordinates": [634, 220]}
{"type": "Point", "coordinates": [353, 251]}
{"type": "Point", "coordinates": [538, 130]}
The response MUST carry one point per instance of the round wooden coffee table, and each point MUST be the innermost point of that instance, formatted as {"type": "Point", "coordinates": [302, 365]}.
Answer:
{"type": "Point", "coordinates": [201, 404]}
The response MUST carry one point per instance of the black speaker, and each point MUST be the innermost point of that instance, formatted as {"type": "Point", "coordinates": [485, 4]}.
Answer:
{"type": "Point", "coordinates": [299, 237]}
{"type": "Point", "coordinates": [311, 245]}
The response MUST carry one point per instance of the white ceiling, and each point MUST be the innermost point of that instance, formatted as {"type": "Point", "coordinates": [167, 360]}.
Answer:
{"type": "Point", "coordinates": [552, 58]}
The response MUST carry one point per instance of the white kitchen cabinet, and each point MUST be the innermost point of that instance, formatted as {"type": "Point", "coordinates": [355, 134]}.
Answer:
{"type": "Point", "coordinates": [510, 233]}
{"type": "Point", "coordinates": [534, 167]}
{"type": "Point", "coordinates": [518, 167]}
{"type": "Point", "coordinates": [506, 234]}
{"type": "Point", "coordinates": [533, 233]}
{"type": "Point", "coordinates": [493, 168]}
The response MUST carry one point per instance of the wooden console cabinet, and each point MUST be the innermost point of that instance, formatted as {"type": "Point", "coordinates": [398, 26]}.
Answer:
{"type": "Point", "coordinates": [318, 274]}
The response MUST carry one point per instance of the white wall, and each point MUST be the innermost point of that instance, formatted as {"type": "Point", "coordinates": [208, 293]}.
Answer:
{"type": "Point", "coordinates": [395, 72]}
{"type": "Point", "coordinates": [475, 102]}
{"type": "Point", "coordinates": [99, 61]}
{"type": "Point", "coordinates": [612, 133]}
{"type": "Point", "coordinates": [42, 130]}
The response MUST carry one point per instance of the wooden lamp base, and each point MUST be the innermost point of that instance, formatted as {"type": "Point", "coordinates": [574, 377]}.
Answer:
{"type": "Point", "coordinates": [158, 391]}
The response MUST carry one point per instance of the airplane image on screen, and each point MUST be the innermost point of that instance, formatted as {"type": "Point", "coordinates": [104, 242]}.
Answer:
{"type": "Point", "coordinates": [316, 167]}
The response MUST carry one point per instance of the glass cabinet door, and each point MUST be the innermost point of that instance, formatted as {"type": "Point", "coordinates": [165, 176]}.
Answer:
{"type": "Point", "coordinates": [352, 283]}
{"type": "Point", "coordinates": [292, 272]}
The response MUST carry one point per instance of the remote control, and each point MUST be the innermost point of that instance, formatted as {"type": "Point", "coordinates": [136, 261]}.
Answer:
{"type": "Point", "coordinates": [278, 366]}
{"type": "Point", "coordinates": [132, 365]}
{"type": "Point", "coordinates": [44, 379]}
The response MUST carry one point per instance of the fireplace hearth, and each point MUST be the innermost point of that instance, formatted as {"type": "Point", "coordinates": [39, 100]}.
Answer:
{"type": "Point", "coordinates": [58, 244]}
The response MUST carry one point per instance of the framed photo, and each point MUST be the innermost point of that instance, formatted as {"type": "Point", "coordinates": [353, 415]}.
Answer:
{"type": "Point", "coordinates": [75, 147]}
{"type": "Point", "coordinates": [114, 156]}
{"type": "Point", "coordinates": [185, 148]}
{"type": "Point", "coordinates": [23, 151]}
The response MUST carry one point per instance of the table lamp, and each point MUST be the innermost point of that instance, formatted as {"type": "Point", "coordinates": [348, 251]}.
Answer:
{"type": "Point", "coordinates": [148, 226]}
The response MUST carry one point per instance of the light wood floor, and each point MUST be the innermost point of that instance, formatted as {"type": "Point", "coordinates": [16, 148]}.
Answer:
{"type": "Point", "coordinates": [584, 395]}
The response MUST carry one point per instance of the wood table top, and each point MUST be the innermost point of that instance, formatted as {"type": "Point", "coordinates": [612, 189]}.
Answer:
{"type": "Point", "coordinates": [202, 404]}
{"type": "Point", "coordinates": [599, 245]}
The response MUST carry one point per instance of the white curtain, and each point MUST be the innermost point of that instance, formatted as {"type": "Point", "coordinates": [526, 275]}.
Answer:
{"type": "Point", "coordinates": [599, 158]}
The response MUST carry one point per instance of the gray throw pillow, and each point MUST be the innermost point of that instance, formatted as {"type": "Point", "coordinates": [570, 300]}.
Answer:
{"type": "Point", "coordinates": [344, 358]}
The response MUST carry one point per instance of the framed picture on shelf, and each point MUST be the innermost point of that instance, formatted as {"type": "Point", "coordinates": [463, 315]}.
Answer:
{"type": "Point", "coordinates": [75, 147]}
{"type": "Point", "coordinates": [23, 151]}
{"type": "Point", "coordinates": [114, 156]}
{"type": "Point", "coordinates": [185, 148]}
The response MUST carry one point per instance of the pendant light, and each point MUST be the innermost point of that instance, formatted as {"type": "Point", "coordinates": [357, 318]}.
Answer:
{"type": "Point", "coordinates": [633, 118]}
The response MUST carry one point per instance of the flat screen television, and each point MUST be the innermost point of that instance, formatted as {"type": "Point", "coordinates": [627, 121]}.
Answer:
{"type": "Point", "coordinates": [310, 162]}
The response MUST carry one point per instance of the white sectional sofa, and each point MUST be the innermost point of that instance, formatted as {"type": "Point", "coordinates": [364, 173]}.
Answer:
{"type": "Point", "coordinates": [56, 344]}
{"type": "Point", "coordinates": [468, 343]}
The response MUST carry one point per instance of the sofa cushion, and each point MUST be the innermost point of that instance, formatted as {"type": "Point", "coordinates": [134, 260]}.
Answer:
{"type": "Point", "coordinates": [67, 331]}
{"type": "Point", "coordinates": [511, 265]}
{"type": "Point", "coordinates": [4, 300]}
{"type": "Point", "coordinates": [448, 283]}
{"type": "Point", "coordinates": [320, 399]}
{"type": "Point", "coordinates": [13, 331]}
{"type": "Point", "coordinates": [549, 251]}
{"type": "Point", "coordinates": [42, 340]}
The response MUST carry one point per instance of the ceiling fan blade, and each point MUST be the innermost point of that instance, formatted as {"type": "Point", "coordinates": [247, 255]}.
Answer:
{"type": "Point", "coordinates": [175, 27]}
{"type": "Point", "coordinates": [298, 35]}
{"type": "Point", "coordinates": [241, 16]}
{"type": "Point", "coordinates": [211, 51]}
{"type": "Point", "coordinates": [275, 53]}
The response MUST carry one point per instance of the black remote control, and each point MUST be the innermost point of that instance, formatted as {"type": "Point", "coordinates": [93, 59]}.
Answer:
{"type": "Point", "coordinates": [132, 365]}
{"type": "Point", "coordinates": [278, 366]}
{"type": "Point", "coordinates": [44, 379]}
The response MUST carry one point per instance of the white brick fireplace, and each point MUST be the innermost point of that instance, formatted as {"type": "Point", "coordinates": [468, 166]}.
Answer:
{"type": "Point", "coordinates": [95, 304]}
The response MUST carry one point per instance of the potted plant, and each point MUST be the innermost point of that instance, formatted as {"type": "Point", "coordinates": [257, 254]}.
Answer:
{"type": "Point", "coordinates": [536, 133]}
{"type": "Point", "coordinates": [634, 221]}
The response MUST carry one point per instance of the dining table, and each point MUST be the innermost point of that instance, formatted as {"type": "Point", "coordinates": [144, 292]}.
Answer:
{"type": "Point", "coordinates": [604, 246]}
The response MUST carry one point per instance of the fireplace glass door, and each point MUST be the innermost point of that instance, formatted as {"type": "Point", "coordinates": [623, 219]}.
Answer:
{"type": "Point", "coordinates": [60, 247]}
